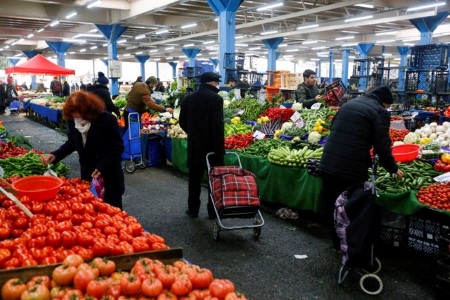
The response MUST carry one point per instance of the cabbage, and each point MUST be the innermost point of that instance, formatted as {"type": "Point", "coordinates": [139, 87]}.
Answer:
{"type": "Point", "coordinates": [224, 95]}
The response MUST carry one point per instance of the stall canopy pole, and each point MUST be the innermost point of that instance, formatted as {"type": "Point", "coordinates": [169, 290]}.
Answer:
{"type": "Point", "coordinates": [142, 59]}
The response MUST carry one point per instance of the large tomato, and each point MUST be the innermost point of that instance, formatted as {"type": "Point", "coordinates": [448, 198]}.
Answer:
{"type": "Point", "coordinates": [130, 284]}
{"type": "Point", "coordinates": [235, 296]}
{"type": "Point", "coordinates": [96, 288]}
{"type": "Point", "coordinates": [73, 260]}
{"type": "Point", "coordinates": [13, 289]}
{"type": "Point", "coordinates": [39, 280]}
{"type": "Point", "coordinates": [36, 292]}
{"type": "Point", "coordinates": [64, 274]}
{"type": "Point", "coordinates": [220, 288]}
{"type": "Point", "coordinates": [181, 286]}
{"type": "Point", "coordinates": [167, 277]}
{"type": "Point", "coordinates": [201, 278]}
{"type": "Point", "coordinates": [82, 278]}
{"type": "Point", "coordinates": [105, 266]}
{"type": "Point", "coordinates": [167, 296]}
{"type": "Point", "coordinates": [151, 287]}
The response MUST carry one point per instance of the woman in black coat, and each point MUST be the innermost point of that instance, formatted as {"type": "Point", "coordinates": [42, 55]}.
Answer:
{"type": "Point", "coordinates": [101, 90]}
{"type": "Point", "coordinates": [95, 135]}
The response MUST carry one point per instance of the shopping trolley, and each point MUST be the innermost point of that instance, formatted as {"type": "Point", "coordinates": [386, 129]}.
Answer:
{"type": "Point", "coordinates": [14, 107]}
{"type": "Point", "coordinates": [132, 156]}
{"type": "Point", "coordinates": [234, 194]}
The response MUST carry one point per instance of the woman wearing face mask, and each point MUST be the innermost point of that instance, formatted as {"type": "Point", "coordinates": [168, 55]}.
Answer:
{"type": "Point", "coordinates": [95, 135]}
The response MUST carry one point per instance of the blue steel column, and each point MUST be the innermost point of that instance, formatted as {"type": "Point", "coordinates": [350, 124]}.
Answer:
{"type": "Point", "coordinates": [31, 54]}
{"type": "Point", "coordinates": [215, 62]}
{"type": "Point", "coordinates": [112, 34]}
{"type": "Point", "coordinates": [427, 25]}
{"type": "Point", "coordinates": [60, 49]}
{"type": "Point", "coordinates": [106, 62]}
{"type": "Point", "coordinates": [345, 56]}
{"type": "Point", "coordinates": [363, 50]}
{"type": "Point", "coordinates": [191, 53]}
{"type": "Point", "coordinates": [272, 45]}
{"type": "Point", "coordinates": [331, 67]}
{"type": "Point", "coordinates": [403, 51]}
{"type": "Point", "coordinates": [174, 69]}
{"type": "Point", "coordinates": [13, 60]}
{"type": "Point", "coordinates": [142, 59]}
{"type": "Point", "coordinates": [225, 10]}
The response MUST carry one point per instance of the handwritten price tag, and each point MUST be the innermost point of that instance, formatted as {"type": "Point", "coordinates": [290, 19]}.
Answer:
{"type": "Point", "coordinates": [259, 135]}
{"type": "Point", "coordinates": [316, 105]}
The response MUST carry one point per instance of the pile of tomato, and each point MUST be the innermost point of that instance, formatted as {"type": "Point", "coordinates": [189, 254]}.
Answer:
{"type": "Point", "coordinates": [436, 195]}
{"type": "Point", "coordinates": [75, 221]}
{"type": "Point", "coordinates": [398, 134]}
{"type": "Point", "coordinates": [75, 279]}
{"type": "Point", "coordinates": [7, 149]}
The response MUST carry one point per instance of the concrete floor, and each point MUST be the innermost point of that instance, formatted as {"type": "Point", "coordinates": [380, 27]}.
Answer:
{"type": "Point", "coordinates": [262, 270]}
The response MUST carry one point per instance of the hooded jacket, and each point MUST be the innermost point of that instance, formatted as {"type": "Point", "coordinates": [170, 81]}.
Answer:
{"type": "Point", "coordinates": [102, 92]}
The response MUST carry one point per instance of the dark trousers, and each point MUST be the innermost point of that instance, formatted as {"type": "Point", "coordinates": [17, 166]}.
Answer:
{"type": "Point", "coordinates": [333, 186]}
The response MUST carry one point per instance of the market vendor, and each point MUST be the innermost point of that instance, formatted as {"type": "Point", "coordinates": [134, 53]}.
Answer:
{"type": "Point", "coordinates": [307, 92]}
{"type": "Point", "coordinates": [140, 97]}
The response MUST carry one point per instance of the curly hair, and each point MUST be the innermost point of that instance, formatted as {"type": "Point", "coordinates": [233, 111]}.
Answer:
{"type": "Point", "coordinates": [88, 105]}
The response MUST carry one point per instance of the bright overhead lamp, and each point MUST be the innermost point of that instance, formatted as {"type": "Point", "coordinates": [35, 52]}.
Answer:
{"type": "Point", "coordinates": [387, 33]}
{"type": "Point", "coordinates": [254, 48]}
{"type": "Point", "coordinates": [6, 47]}
{"type": "Point", "coordinates": [409, 44]}
{"type": "Point", "coordinates": [315, 59]}
{"type": "Point", "coordinates": [349, 31]}
{"type": "Point", "coordinates": [93, 47]}
{"type": "Point", "coordinates": [72, 52]}
{"type": "Point", "coordinates": [309, 42]}
{"type": "Point", "coordinates": [171, 57]}
{"type": "Point", "coordinates": [288, 56]}
{"type": "Point", "coordinates": [386, 54]}
{"type": "Point", "coordinates": [93, 35]}
{"type": "Point", "coordinates": [350, 37]}
{"type": "Point", "coordinates": [105, 45]}
{"type": "Point", "coordinates": [358, 18]}
{"type": "Point", "coordinates": [213, 53]}
{"type": "Point", "coordinates": [269, 32]}
{"type": "Point", "coordinates": [127, 54]}
{"type": "Point", "coordinates": [270, 6]}
{"type": "Point", "coordinates": [83, 50]}
{"type": "Point", "coordinates": [139, 37]}
{"type": "Point", "coordinates": [384, 41]}
{"type": "Point", "coordinates": [157, 59]}
{"type": "Point", "coordinates": [30, 35]}
{"type": "Point", "coordinates": [425, 6]}
{"type": "Point", "coordinates": [320, 48]}
{"type": "Point", "coordinates": [413, 39]}
{"type": "Point", "coordinates": [282, 45]}
{"type": "Point", "coordinates": [74, 41]}
{"type": "Point", "coordinates": [188, 45]}
{"type": "Point", "coordinates": [153, 51]}
{"type": "Point", "coordinates": [292, 50]}
{"type": "Point", "coordinates": [93, 30]}
{"type": "Point", "coordinates": [349, 45]}
{"type": "Point", "coordinates": [308, 26]}
{"type": "Point", "coordinates": [169, 48]}
{"type": "Point", "coordinates": [238, 37]}
{"type": "Point", "coordinates": [140, 52]}
{"type": "Point", "coordinates": [352, 56]}
{"type": "Point", "coordinates": [121, 41]}
{"type": "Point", "coordinates": [71, 15]}
{"type": "Point", "coordinates": [208, 42]}
{"type": "Point", "coordinates": [188, 25]}
{"type": "Point", "coordinates": [365, 5]}
{"type": "Point", "coordinates": [241, 45]}
{"type": "Point", "coordinates": [54, 23]}
{"type": "Point", "coordinates": [162, 31]}
{"type": "Point", "coordinates": [94, 3]}
{"type": "Point", "coordinates": [40, 30]}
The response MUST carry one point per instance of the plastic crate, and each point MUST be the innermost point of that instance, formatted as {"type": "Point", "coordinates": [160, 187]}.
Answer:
{"type": "Point", "coordinates": [168, 148]}
{"type": "Point", "coordinates": [271, 92]}
{"type": "Point", "coordinates": [234, 61]}
{"type": "Point", "coordinates": [153, 156]}
{"type": "Point", "coordinates": [393, 229]}
{"type": "Point", "coordinates": [430, 56]}
{"type": "Point", "coordinates": [193, 71]}
{"type": "Point", "coordinates": [440, 81]}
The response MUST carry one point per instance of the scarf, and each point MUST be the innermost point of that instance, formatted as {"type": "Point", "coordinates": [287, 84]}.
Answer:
{"type": "Point", "coordinates": [83, 127]}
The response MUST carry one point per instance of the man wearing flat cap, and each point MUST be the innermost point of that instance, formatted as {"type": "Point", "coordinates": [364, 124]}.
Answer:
{"type": "Point", "coordinates": [360, 125]}
{"type": "Point", "coordinates": [201, 117]}
{"type": "Point", "coordinates": [100, 88]}
{"type": "Point", "coordinates": [140, 97]}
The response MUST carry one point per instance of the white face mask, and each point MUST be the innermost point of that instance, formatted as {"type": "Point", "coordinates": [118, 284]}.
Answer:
{"type": "Point", "coordinates": [80, 121]}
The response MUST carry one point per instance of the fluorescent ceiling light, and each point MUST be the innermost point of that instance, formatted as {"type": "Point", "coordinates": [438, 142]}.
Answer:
{"type": "Point", "coordinates": [320, 48]}
{"type": "Point", "coordinates": [365, 5]}
{"type": "Point", "coordinates": [282, 45]}
{"type": "Point", "coordinates": [384, 41]}
{"type": "Point", "coordinates": [6, 47]}
{"type": "Point", "coordinates": [338, 60]}
{"type": "Point", "coordinates": [74, 41]}
{"type": "Point", "coordinates": [288, 56]}
{"type": "Point", "coordinates": [188, 45]}
{"type": "Point", "coordinates": [127, 54]}
{"type": "Point", "coordinates": [254, 48]}
{"type": "Point", "coordinates": [345, 38]}
{"type": "Point", "coordinates": [199, 54]}
{"type": "Point", "coordinates": [308, 26]}
{"type": "Point", "coordinates": [153, 51]}
{"type": "Point", "coordinates": [409, 44]}
{"type": "Point", "coordinates": [162, 31]}
{"type": "Point", "coordinates": [87, 35]}
{"type": "Point", "coordinates": [93, 30]}
{"type": "Point", "coordinates": [140, 52]}
{"type": "Point", "coordinates": [238, 37]}
{"type": "Point", "coordinates": [315, 59]}
{"type": "Point", "coordinates": [40, 30]}
{"type": "Point", "coordinates": [358, 19]}
{"type": "Point", "coordinates": [94, 3]}
{"type": "Point", "coordinates": [170, 57]}
{"type": "Point", "coordinates": [19, 54]}
{"type": "Point", "coordinates": [411, 39]}
{"type": "Point", "coordinates": [169, 48]}
{"type": "Point", "coordinates": [387, 33]}
{"type": "Point", "coordinates": [121, 41]}
{"type": "Point", "coordinates": [309, 42]}
{"type": "Point", "coordinates": [105, 45]}
{"type": "Point", "coordinates": [349, 45]}
{"type": "Point", "coordinates": [71, 15]}
{"type": "Point", "coordinates": [139, 37]}
{"type": "Point", "coordinates": [188, 25]}
{"type": "Point", "coordinates": [269, 32]}
{"type": "Point", "coordinates": [397, 58]}
{"type": "Point", "coordinates": [270, 6]}
{"type": "Point", "coordinates": [352, 56]}
{"type": "Point", "coordinates": [208, 42]}
{"type": "Point", "coordinates": [54, 23]}
{"type": "Point", "coordinates": [72, 52]}
{"type": "Point", "coordinates": [83, 50]}
{"type": "Point", "coordinates": [212, 53]}
{"type": "Point", "coordinates": [349, 31]}
{"type": "Point", "coordinates": [323, 53]}
{"type": "Point", "coordinates": [30, 35]}
{"type": "Point", "coordinates": [292, 50]}
{"type": "Point", "coordinates": [93, 47]}
{"type": "Point", "coordinates": [241, 45]}
{"type": "Point", "coordinates": [426, 6]}
{"type": "Point", "coordinates": [386, 54]}
{"type": "Point", "coordinates": [157, 59]}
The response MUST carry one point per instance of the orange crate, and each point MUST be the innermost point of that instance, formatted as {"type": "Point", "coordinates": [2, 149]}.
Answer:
{"type": "Point", "coordinates": [270, 92]}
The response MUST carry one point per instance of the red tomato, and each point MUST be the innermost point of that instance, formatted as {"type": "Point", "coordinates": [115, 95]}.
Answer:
{"type": "Point", "coordinates": [37, 292]}
{"type": "Point", "coordinates": [82, 278]}
{"type": "Point", "coordinates": [220, 288]}
{"type": "Point", "coordinates": [69, 239]}
{"type": "Point", "coordinates": [130, 284]}
{"type": "Point", "coordinates": [13, 289]}
{"type": "Point", "coordinates": [105, 266]}
{"type": "Point", "coordinates": [4, 233]}
{"type": "Point", "coordinates": [49, 260]}
{"type": "Point", "coordinates": [5, 254]}
{"type": "Point", "coordinates": [167, 296]}
{"type": "Point", "coordinates": [39, 280]}
{"type": "Point", "coordinates": [13, 262]}
{"type": "Point", "coordinates": [96, 288]}
{"type": "Point", "coordinates": [235, 296]}
{"type": "Point", "coordinates": [181, 286]}
{"type": "Point", "coordinates": [73, 260]}
{"type": "Point", "coordinates": [167, 277]}
{"type": "Point", "coordinates": [151, 287]}
{"type": "Point", "coordinates": [73, 294]}
{"type": "Point", "coordinates": [200, 278]}
{"type": "Point", "coordinates": [64, 274]}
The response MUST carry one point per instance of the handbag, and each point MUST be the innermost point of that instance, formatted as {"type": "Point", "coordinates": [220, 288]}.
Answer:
{"type": "Point", "coordinates": [98, 187]}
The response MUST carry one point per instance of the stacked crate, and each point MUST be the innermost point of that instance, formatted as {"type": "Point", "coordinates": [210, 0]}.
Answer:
{"type": "Point", "coordinates": [443, 265]}
{"type": "Point", "coordinates": [290, 81]}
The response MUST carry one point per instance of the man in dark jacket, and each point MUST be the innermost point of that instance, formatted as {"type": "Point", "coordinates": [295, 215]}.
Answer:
{"type": "Point", "coordinates": [2, 97]}
{"type": "Point", "coordinates": [66, 89]}
{"type": "Point", "coordinates": [307, 91]}
{"type": "Point", "coordinates": [201, 117]}
{"type": "Point", "coordinates": [102, 91]}
{"type": "Point", "coordinates": [359, 125]}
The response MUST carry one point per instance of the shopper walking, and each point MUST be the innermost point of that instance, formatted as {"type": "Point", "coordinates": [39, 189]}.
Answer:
{"type": "Point", "coordinates": [102, 91]}
{"type": "Point", "coordinates": [11, 91]}
{"type": "Point", "coordinates": [2, 97]}
{"type": "Point", "coordinates": [201, 117]}
{"type": "Point", "coordinates": [360, 125]}
{"type": "Point", "coordinates": [66, 89]}
{"type": "Point", "coordinates": [56, 87]}
{"type": "Point", "coordinates": [95, 134]}
{"type": "Point", "coordinates": [307, 92]}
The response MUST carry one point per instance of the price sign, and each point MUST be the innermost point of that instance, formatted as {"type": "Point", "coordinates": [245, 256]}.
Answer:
{"type": "Point", "coordinates": [240, 112]}
{"type": "Point", "coordinates": [295, 116]}
{"type": "Point", "coordinates": [259, 135]}
{"type": "Point", "coordinates": [237, 94]}
{"type": "Point", "coordinates": [316, 105]}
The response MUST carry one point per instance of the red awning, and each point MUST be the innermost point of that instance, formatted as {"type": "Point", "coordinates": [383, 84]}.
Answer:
{"type": "Point", "coordinates": [39, 65]}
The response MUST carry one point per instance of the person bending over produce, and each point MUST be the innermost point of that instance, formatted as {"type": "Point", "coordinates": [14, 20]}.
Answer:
{"type": "Point", "coordinates": [95, 134]}
{"type": "Point", "coordinates": [201, 117]}
{"type": "Point", "coordinates": [359, 125]}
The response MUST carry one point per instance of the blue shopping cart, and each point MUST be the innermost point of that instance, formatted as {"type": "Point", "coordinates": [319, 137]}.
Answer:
{"type": "Point", "coordinates": [132, 156]}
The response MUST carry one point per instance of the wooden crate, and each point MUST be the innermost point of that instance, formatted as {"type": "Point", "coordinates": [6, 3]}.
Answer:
{"type": "Point", "coordinates": [290, 81]}
{"type": "Point", "coordinates": [123, 262]}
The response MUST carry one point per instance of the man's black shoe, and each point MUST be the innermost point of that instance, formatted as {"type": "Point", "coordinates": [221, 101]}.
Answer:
{"type": "Point", "coordinates": [191, 214]}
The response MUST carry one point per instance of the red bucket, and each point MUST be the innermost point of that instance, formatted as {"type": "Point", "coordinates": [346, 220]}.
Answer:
{"type": "Point", "coordinates": [406, 152]}
{"type": "Point", "coordinates": [38, 188]}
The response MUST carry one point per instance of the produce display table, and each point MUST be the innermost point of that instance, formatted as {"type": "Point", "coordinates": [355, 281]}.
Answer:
{"type": "Point", "coordinates": [46, 115]}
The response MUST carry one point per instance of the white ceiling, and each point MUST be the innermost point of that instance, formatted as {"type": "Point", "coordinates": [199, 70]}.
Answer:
{"type": "Point", "coordinates": [20, 18]}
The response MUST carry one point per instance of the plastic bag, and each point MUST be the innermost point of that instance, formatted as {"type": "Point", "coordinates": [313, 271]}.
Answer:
{"type": "Point", "coordinates": [98, 187]}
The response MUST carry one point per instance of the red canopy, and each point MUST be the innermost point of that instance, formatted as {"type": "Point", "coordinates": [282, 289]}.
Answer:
{"type": "Point", "coordinates": [41, 66]}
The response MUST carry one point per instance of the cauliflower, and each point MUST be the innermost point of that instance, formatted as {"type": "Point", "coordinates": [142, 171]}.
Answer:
{"type": "Point", "coordinates": [410, 138]}
{"type": "Point", "coordinates": [297, 106]}
{"type": "Point", "coordinates": [398, 143]}
{"type": "Point", "coordinates": [314, 137]}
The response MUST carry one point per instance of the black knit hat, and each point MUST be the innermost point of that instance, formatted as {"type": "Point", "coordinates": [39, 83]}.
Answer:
{"type": "Point", "coordinates": [102, 78]}
{"type": "Point", "coordinates": [384, 94]}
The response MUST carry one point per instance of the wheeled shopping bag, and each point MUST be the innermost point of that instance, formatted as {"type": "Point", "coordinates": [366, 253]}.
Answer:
{"type": "Point", "coordinates": [234, 194]}
{"type": "Point", "coordinates": [357, 219]}
{"type": "Point", "coordinates": [132, 156]}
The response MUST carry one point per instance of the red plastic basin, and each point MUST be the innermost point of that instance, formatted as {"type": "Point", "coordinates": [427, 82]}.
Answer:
{"type": "Point", "coordinates": [406, 152]}
{"type": "Point", "coordinates": [38, 188]}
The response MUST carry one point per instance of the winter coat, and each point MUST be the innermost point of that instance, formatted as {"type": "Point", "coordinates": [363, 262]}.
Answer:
{"type": "Point", "coordinates": [11, 93]}
{"type": "Point", "coordinates": [201, 117]}
{"type": "Point", "coordinates": [66, 89]}
{"type": "Point", "coordinates": [139, 97]}
{"type": "Point", "coordinates": [102, 92]}
{"type": "Point", "coordinates": [359, 125]}
{"type": "Point", "coordinates": [102, 151]}
{"type": "Point", "coordinates": [307, 94]}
